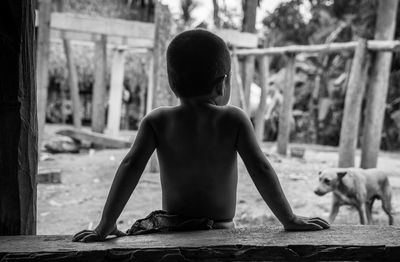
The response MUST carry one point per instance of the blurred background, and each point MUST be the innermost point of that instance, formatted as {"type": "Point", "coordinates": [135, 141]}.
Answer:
{"type": "Point", "coordinates": [101, 68]}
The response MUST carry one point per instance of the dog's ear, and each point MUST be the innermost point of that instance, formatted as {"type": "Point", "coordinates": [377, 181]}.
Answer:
{"type": "Point", "coordinates": [341, 174]}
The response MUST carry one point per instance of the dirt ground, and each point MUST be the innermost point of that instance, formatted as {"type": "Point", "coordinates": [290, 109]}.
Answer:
{"type": "Point", "coordinates": [77, 202]}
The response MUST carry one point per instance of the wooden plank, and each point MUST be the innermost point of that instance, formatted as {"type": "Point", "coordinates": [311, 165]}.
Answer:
{"type": "Point", "coordinates": [379, 85]}
{"type": "Point", "coordinates": [352, 107]}
{"type": "Point", "coordinates": [42, 63]}
{"type": "Point", "coordinates": [99, 87]}
{"type": "Point", "coordinates": [95, 138]}
{"type": "Point", "coordinates": [285, 115]}
{"type": "Point", "coordinates": [340, 243]}
{"type": "Point", "coordinates": [116, 88]}
{"type": "Point", "coordinates": [48, 176]}
{"type": "Point", "coordinates": [18, 119]}
{"type": "Point", "coordinates": [238, 39]}
{"type": "Point", "coordinates": [237, 93]}
{"type": "Point", "coordinates": [112, 40]}
{"type": "Point", "coordinates": [73, 85]}
{"type": "Point", "coordinates": [102, 26]}
{"type": "Point", "coordinates": [372, 45]}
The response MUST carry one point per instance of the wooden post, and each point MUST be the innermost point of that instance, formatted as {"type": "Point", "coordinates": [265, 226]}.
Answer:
{"type": "Point", "coordinates": [42, 63]}
{"type": "Point", "coordinates": [116, 88]}
{"type": "Point", "coordinates": [285, 115]}
{"type": "Point", "coordinates": [379, 84]}
{"type": "Point", "coordinates": [150, 83]}
{"type": "Point", "coordinates": [237, 95]}
{"type": "Point", "coordinates": [73, 85]}
{"type": "Point", "coordinates": [18, 118]}
{"type": "Point", "coordinates": [99, 87]}
{"type": "Point", "coordinates": [262, 106]}
{"type": "Point", "coordinates": [162, 94]}
{"type": "Point", "coordinates": [352, 108]}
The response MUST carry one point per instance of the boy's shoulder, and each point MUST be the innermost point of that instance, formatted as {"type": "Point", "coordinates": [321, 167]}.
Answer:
{"type": "Point", "coordinates": [228, 112]}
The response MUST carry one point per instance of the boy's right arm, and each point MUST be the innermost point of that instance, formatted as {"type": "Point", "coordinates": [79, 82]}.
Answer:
{"type": "Point", "coordinates": [266, 180]}
{"type": "Point", "coordinates": [125, 181]}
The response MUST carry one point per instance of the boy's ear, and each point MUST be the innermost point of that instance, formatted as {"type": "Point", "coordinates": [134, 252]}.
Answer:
{"type": "Point", "coordinates": [341, 174]}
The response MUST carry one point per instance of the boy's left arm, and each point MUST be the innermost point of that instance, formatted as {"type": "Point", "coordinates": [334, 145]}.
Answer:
{"type": "Point", "coordinates": [125, 181]}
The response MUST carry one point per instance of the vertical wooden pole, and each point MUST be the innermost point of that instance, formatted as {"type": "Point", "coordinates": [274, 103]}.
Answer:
{"type": "Point", "coordinates": [162, 94]}
{"type": "Point", "coordinates": [116, 88]}
{"type": "Point", "coordinates": [18, 118]}
{"type": "Point", "coordinates": [99, 87]}
{"type": "Point", "coordinates": [262, 106]}
{"type": "Point", "coordinates": [150, 83]}
{"type": "Point", "coordinates": [237, 93]}
{"type": "Point", "coordinates": [73, 85]}
{"type": "Point", "coordinates": [42, 63]}
{"type": "Point", "coordinates": [285, 115]}
{"type": "Point", "coordinates": [379, 84]}
{"type": "Point", "coordinates": [352, 108]}
{"type": "Point", "coordinates": [248, 77]}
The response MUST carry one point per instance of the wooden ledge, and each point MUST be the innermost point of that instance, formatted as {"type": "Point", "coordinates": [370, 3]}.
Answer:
{"type": "Point", "coordinates": [245, 244]}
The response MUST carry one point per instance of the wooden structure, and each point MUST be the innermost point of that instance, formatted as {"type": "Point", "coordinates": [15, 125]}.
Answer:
{"type": "Point", "coordinates": [18, 128]}
{"type": "Point", "coordinates": [376, 98]}
{"type": "Point", "coordinates": [356, 74]}
{"type": "Point", "coordinates": [340, 243]}
{"type": "Point", "coordinates": [352, 108]}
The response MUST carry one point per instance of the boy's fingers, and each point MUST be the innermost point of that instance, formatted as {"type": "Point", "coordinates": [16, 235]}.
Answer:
{"type": "Point", "coordinates": [313, 226]}
{"type": "Point", "coordinates": [80, 232]}
{"type": "Point", "coordinates": [80, 235]}
{"type": "Point", "coordinates": [91, 238]}
{"type": "Point", "coordinates": [320, 222]}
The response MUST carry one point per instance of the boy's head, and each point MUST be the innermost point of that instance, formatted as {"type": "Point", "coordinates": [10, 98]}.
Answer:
{"type": "Point", "coordinates": [197, 62]}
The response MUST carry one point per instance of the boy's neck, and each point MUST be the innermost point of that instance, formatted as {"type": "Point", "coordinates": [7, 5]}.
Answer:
{"type": "Point", "coordinates": [198, 100]}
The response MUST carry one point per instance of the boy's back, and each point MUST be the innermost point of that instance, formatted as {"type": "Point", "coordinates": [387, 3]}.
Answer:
{"type": "Point", "coordinates": [197, 144]}
{"type": "Point", "coordinates": [196, 148]}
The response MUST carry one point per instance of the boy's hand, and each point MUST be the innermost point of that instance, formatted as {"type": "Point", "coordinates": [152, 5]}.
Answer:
{"type": "Point", "coordinates": [298, 223]}
{"type": "Point", "coordinates": [95, 235]}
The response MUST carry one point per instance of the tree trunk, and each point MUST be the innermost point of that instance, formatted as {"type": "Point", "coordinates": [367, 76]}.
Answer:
{"type": "Point", "coordinates": [217, 20]}
{"type": "Point", "coordinates": [249, 25]}
{"type": "Point", "coordinates": [42, 63]}
{"type": "Point", "coordinates": [285, 115]}
{"type": "Point", "coordinates": [379, 84]}
{"type": "Point", "coordinates": [262, 106]}
{"type": "Point", "coordinates": [99, 87]}
{"type": "Point", "coordinates": [162, 95]}
{"type": "Point", "coordinates": [18, 131]}
{"type": "Point", "coordinates": [352, 108]}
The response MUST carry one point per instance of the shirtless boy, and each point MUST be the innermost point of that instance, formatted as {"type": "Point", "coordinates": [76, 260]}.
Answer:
{"type": "Point", "coordinates": [197, 144]}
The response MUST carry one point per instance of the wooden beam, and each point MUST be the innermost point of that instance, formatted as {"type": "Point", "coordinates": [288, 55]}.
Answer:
{"type": "Point", "coordinates": [352, 107]}
{"type": "Point", "coordinates": [99, 87]}
{"type": "Point", "coordinates": [259, 117]}
{"type": "Point", "coordinates": [116, 89]}
{"type": "Point", "coordinates": [42, 63]}
{"type": "Point", "coordinates": [372, 45]}
{"type": "Point", "coordinates": [340, 243]}
{"type": "Point", "coordinates": [285, 114]}
{"type": "Point", "coordinates": [112, 40]}
{"type": "Point", "coordinates": [73, 85]}
{"type": "Point", "coordinates": [102, 26]}
{"type": "Point", "coordinates": [18, 119]}
{"type": "Point", "coordinates": [238, 39]}
{"type": "Point", "coordinates": [97, 139]}
{"type": "Point", "coordinates": [379, 85]}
